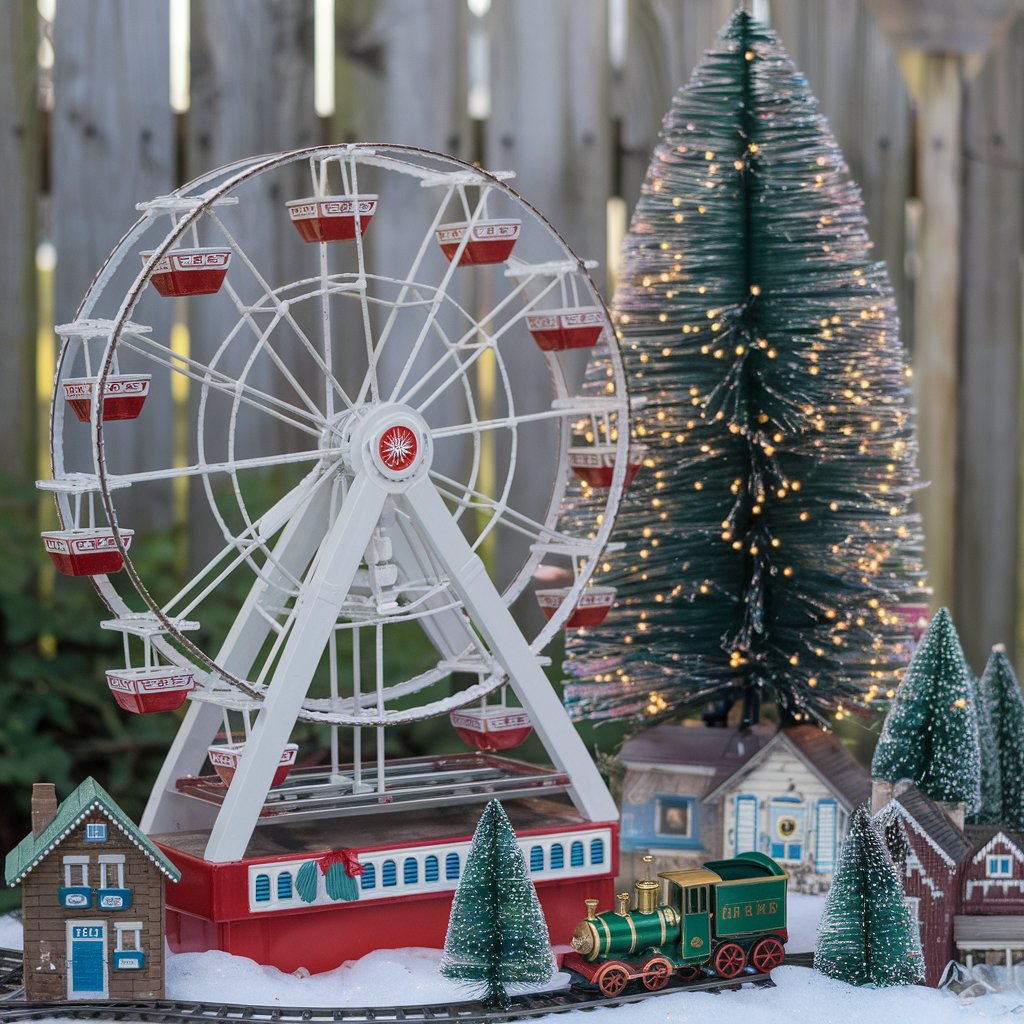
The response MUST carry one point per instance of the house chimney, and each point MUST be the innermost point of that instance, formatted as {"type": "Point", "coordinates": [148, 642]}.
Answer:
{"type": "Point", "coordinates": [881, 794]}
{"type": "Point", "coordinates": [955, 812]}
{"type": "Point", "coordinates": [44, 806]}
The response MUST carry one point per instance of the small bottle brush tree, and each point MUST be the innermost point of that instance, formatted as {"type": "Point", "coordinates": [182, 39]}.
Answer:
{"type": "Point", "coordinates": [768, 538]}
{"type": "Point", "coordinates": [1001, 696]}
{"type": "Point", "coordinates": [930, 735]}
{"type": "Point", "coordinates": [497, 934]}
{"type": "Point", "coordinates": [866, 935]}
{"type": "Point", "coordinates": [990, 809]}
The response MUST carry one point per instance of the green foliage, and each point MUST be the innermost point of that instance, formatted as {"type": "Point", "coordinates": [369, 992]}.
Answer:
{"type": "Point", "coordinates": [930, 735]}
{"type": "Point", "coordinates": [866, 935]}
{"type": "Point", "coordinates": [990, 809]}
{"type": "Point", "coordinates": [769, 536]}
{"type": "Point", "coordinates": [496, 932]}
{"type": "Point", "coordinates": [1001, 697]}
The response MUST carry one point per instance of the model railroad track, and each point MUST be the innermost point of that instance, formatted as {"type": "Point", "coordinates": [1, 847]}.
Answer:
{"type": "Point", "coordinates": [179, 1012]}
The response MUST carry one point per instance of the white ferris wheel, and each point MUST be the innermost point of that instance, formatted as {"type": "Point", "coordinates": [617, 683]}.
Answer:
{"type": "Point", "coordinates": [379, 428]}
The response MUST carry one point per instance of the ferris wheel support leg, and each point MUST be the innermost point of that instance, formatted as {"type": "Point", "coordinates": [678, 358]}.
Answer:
{"type": "Point", "coordinates": [316, 615]}
{"type": "Point", "coordinates": [494, 621]}
{"type": "Point", "coordinates": [168, 810]}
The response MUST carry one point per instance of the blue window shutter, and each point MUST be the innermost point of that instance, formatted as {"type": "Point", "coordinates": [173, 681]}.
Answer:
{"type": "Point", "coordinates": [451, 866]}
{"type": "Point", "coordinates": [410, 871]}
{"type": "Point", "coordinates": [596, 851]}
{"type": "Point", "coordinates": [826, 836]}
{"type": "Point", "coordinates": [284, 886]}
{"type": "Point", "coordinates": [576, 855]}
{"type": "Point", "coordinates": [388, 873]}
{"type": "Point", "coordinates": [262, 888]}
{"type": "Point", "coordinates": [430, 870]}
{"type": "Point", "coordinates": [368, 879]}
{"type": "Point", "coordinates": [536, 858]}
{"type": "Point", "coordinates": [557, 857]}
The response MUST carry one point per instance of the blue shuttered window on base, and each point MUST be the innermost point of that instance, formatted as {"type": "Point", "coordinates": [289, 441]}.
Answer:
{"type": "Point", "coordinates": [596, 851]}
{"type": "Point", "coordinates": [557, 857]}
{"type": "Point", "coordinates": [262, 888]}
{"type": "Point", "coordinates": [388, 873]}
{"type": "Point", "coordinates": [284, 886]}
{"type": "Point", "coordinates": [430, 869]}
{"type": "Point", "coordinates": [576, 855]}
{"type": "Point", "coordinates": [536, 858]}
{"type": "Point", "coordinates": [410, 871]}
{"type": "Point", "coordinates": [451, 866]}
{"type": "Point", "coordinates": [368, 879]}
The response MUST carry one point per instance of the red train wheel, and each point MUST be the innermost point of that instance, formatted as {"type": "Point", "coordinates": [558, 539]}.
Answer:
{"type": "Point", "coordinates": [612, 979]}
{"type": "Point", "coordinates": [767, 955]}
{"type": "Point", "coordinates": [657, 971]}
{"type": "Point", "coordinates": [729, 960]}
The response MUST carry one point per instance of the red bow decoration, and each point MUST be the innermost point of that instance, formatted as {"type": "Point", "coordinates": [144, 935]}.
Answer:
{"type": "Point", "coordinates": [349, 858]}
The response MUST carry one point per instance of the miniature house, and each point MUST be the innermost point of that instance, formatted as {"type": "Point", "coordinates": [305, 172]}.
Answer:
{"type": "Point", "coordinates": [693, 793]}
{"type": "Point", "coordinates": [963, 884]}
{"type": "Point", "coordinates": [92, 900]}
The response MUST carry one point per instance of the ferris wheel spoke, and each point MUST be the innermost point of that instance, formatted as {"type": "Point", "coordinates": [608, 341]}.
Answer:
{"type": "Point", "coordinates": [206, 375]}
{"type": "Point", "coordinates": [213, 468]}
{"type": "Point", "coordinates": [255, 536]}
{"type": "Point", "coordinates": [504, 422]}
{"type": "Point", "coordinates": [426, 244]}
{"type": "Point", "coordinates": [442, 289]}
{"type": "Point", "coordinates": [263, 338]}
{"type": "Point", "coordinates": [490, 337]}
{"type": "Point", "coordinates": [513, 519]}
{"type": "Point", "coordinates": [286, 313]}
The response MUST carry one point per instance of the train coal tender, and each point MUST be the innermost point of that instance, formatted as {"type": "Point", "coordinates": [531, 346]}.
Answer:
{"type": "Point", "coordinates": [722, 917]}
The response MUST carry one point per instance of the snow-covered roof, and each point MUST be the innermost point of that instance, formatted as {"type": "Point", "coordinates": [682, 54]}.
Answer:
{"type": "Point", "coordinates": [927, 819]}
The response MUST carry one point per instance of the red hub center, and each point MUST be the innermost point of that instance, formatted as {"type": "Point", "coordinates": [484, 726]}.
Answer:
{"type": "Point", "coordinates": [397, 447]}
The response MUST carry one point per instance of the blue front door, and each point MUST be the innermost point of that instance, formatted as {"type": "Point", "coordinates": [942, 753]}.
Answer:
{"type": "Point", "coordinates": [786, 830]}
{"type": "Point", "coordinates": [87, 960]}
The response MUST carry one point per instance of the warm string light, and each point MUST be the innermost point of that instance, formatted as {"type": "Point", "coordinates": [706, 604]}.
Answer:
{"type": "Point", "coordinates": [768, 541]}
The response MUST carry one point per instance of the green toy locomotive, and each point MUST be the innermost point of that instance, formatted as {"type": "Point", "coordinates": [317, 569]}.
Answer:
{"type": "Point", "coordinates": [722, 917]}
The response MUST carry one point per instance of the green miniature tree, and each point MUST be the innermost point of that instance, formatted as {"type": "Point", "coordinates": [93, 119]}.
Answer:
{"type": "Point", "coordinates": [866, 935]}
{"type": "Point", "coordinates": [496, 933]}
{"type": "Point", "coordinates": [769, 537]}
{"type": "Point", "coordinates": [1002, 698]}
{"type": "Point", "coordinates": [990, 810]}
{"type": "Point", "coordinates": [930, 734]}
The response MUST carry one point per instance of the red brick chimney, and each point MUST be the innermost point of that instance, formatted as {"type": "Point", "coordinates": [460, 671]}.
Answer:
{"type": "Point", "coordinates": [44, 806]}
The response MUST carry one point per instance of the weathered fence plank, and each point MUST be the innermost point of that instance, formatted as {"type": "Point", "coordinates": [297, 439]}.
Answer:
{"type": "Point", "coordinates": [112, 147]}
{"type": "Point", "coordinates": [19, 172]}
{"type": "Point", "coordinates": [990, 386]}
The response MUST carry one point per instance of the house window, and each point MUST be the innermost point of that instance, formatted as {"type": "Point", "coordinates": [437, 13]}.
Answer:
{"type": "Point", "coordinates": [536, 858]}
{"type": "Point", "coordinates": [557, 857]}
{"type": "Point", "coordinates": [368, 879]}
{"type": "Point", "coordinates": [129, 936]}
{"type": "Point", "coordinates": [76, 871]}
{"type": "Point", "coordinates": [999, 867]}
{"type": "Point", "coordinates": [410, 871]}
{"type": "Point", "coordinates": [263, 888]}
{"type": "Point", "coordinates": [913, 907]}
{"type": "Point", "coordinates": [576, 855]}
{"type": "Point", "coordinates": [451, 866]}
{"type": "Point", "coordinates": [596, 851]}
{"type": "Point", "coordinates": [96, 832]}
{"type": "Point", "coordinates": [430, 869]}
{"type": "Point", "coordinates": [284, 885]}
{"type": "Point", "coordinates": [674, 817]}
{"type": "Point", "coordinates": [112, 871]}
{"type": "Point", "coordinates": [388, 873]}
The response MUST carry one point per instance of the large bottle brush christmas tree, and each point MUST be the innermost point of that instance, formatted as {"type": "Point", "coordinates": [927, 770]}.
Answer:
{"type": "Point", "coordinates": [768, 540]}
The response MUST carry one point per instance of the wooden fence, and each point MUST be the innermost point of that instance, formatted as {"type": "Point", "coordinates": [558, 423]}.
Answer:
{"type": "Point", "coordinates": [576, 124]}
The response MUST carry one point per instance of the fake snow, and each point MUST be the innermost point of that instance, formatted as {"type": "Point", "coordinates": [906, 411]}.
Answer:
{"type": "Point", "coordinates": [412, 976]}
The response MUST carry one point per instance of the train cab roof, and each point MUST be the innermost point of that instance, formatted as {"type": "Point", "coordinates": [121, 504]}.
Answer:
{"type": "Point", "coordinates": [693, 876]}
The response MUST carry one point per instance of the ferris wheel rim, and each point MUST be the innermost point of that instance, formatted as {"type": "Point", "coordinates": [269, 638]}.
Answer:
{"type": "Point", "coordinates": [249, 169]}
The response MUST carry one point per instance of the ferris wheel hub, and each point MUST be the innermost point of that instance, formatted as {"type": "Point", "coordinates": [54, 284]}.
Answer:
{"type": "Point", "coordinates": [390, 443]}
